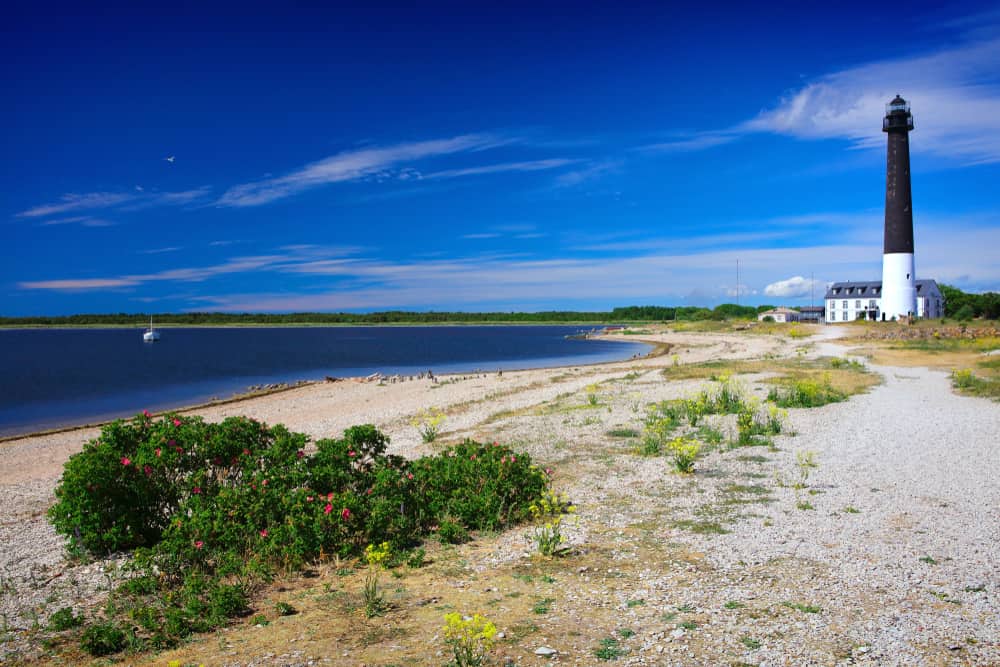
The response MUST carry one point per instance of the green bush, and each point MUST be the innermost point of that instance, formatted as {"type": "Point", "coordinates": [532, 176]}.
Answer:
{"type": "Point", "coordinates": [64, 620]}
{"type": "Point", "coordinates": [807, 393]}
{"type": "Point", "coordinates": [214, 509]}
{"type": "Point", "coordinates": [482, 486]}
{"type": "Point", "coordinates": [103, 639]}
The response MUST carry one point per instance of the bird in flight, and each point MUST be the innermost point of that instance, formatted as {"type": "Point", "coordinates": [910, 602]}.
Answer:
{"type": "Point", "coordinates": [170, 159]}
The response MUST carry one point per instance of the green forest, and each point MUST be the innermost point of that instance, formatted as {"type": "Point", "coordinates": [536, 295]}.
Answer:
{"type": "Point", "coordinates": [958, 304]}
{"type": "Point", "coordinates": [617, 315]}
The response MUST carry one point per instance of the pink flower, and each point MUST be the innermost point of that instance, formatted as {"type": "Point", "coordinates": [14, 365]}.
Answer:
{"type": "Point", "coordinates": [147, 470]}
{"type": "Point", "coordinates": [179, 450]}
{"type": "Point", "coordinates": [472, 458]}
{"type": "Point", "coordinates": [351, 453]}
{"type": "Point", "coordinates": [264, 482]}
{"type": "Point", "coordinates": [199, 544]}
{"type": "Point", "coordinates": [177, 422]}
{"type": "Point", "coordinates": [171, 442]}
{"type": "Point", "coordinates": [329, 496]}
{"type": "Point", "coordinates": [328, 508]}
{"type": "Point", "coordinates": [126, 461]}
{"type": "Point", "coordinates": [158, 451]}
{"type": "Point", "coordinates": [409, 475]}
{"type": "Point", "coordinates": [217, 461]}
{"type": "Point", "coordinates": [512, 458]}
{"type": "Point", "coordinates": [503, 459]}
{"type": "Point", "coordinates": [548, 471]}
{"type": "Point", "coordinates": [253, 486]}
{"type": "Point", "coordinates": [299, 454]}
{"type": "Point", "coordinates": [145, 413]}
{"type": "Point", "coordinates": [246, 452]}
{"type": "Point", "coordinates": [369, 492]}
{"type": "Point", "coordinates": [196, 490]}
{"type": "Point", "coordinates": [345, 514]}
{"type": "Point", "coordinates": [496, 444]}
{"type": "Point", "coordinates": [263, 533]}
{"type": "Point", "coordinates": [309, 499]}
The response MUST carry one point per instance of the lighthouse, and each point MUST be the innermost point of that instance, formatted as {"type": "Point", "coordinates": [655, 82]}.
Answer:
{"type": "Point", "coordinates": [899, 294]}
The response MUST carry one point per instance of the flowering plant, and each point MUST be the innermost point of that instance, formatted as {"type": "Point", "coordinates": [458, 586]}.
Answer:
{"type": "Point", "coordinates": [428, 423]}
{"type": "Point", "coordinates": [469, 638]}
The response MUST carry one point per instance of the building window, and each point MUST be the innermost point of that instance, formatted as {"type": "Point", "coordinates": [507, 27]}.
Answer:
{"type": "Point", "coordinates": [845, 304]}
{"type": "Point", "coordinates": [871, 303]}
{"type": "Point", "coordinates": [857, 304]}
{"type": "Point", "coordinates": [845, 316]}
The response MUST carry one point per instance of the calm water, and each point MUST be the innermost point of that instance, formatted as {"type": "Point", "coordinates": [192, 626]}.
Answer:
{"type": "Point", "coordinates": [57, 377]}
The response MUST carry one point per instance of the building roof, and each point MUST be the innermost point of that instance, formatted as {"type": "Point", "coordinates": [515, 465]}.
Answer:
{"type": "Point", "coordinates": [872, 289]}
{"type": "Point", "coordinates": [812, 309]}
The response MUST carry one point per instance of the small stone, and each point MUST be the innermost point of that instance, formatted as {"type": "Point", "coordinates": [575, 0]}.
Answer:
{"type": "Point", "coordinates": [678, 633]}
{"type": "Point", "coordinates": [545, 650]}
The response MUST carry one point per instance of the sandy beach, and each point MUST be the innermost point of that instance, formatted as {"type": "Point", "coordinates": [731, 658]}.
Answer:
{"type": "Point", "coordinates": [915, 463]}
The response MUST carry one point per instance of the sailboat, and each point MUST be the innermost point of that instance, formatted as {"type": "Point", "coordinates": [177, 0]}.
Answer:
{"type": "Point", "coordinates": [152, 335]}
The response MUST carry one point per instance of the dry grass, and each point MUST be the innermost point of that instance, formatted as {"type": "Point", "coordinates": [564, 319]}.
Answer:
{"type": "Point", "coordinates": [850, 379]}
{"type": "Point", "coordinates": [629, 536]}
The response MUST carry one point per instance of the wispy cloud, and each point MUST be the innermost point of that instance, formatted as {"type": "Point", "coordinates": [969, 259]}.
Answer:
{"type": "Point", "coordinates": [588, 173]}
{"type": "Point", "coordinates": [353, 165]}
{"type": "Point", "coordinates": [950, 249]}
{"type": "Point", "coordinates": [81, 285]}
{"type": "Point", "coordinates": [78, 202]}
{"type": "Point", "coordinates": [157, 251]}
{"type": "Point", "coordinates": [693, 142]}
{"type": "Point", "coordinates": [121, 201]}
{"type": "Point", "coordinates": [182, 198]}
{"type": "Point", "coordinates": [82, 220]}
{"type": "Point", "coordinates": [287, 261]}
{"type": "Point", "coordinates": [955, 93]}
{"type": "Point", "coordinates": [533, 165]}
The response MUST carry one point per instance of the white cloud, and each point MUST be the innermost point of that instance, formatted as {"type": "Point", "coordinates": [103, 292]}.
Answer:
{"type": "Point", "coordinates": [77, 202]}
{"type": "Point", "coordinates": [82, 220]}
{"type": "Point", "coordinates": [695, 142]}
{"type": "Point", "coordinates": [794, 287]}
{"type": "Point", "coordinates": [589, 173]}
{"type": "Point", "coordinates": [78, 285]}
{"type": "Point", "coordinates": [352, 165]}
{"type": "Point", "coordinates": [123, 201]}
{"type": "Point", "coordinates": [958, 250]}
{"type": "Point", "coordinates": [534, 165]}
{"type": "Point", "coordinates": [954, 92]}
{"type": "Point", "coordinates": [954, 95]}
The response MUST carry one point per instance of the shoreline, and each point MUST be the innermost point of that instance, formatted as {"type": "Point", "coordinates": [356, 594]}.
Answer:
{"type": "Point", "coordinates": [656, 349]}
{"type": "Point", "coordinates": [891, 526]}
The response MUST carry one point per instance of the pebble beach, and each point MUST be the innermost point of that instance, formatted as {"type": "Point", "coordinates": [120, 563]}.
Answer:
{"type": "Point", "coordinates": [895, 562]}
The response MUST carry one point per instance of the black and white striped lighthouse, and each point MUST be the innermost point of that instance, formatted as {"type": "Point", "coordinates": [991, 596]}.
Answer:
{"type": "Point", "coordinates": [899, 294]}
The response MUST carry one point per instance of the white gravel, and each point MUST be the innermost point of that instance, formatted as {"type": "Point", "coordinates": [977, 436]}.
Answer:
{"type": "Point", "coordinates": [910, 576]}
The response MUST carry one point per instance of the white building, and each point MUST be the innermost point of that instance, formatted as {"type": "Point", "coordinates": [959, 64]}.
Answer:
{"type": "Point", "coordinates": [780, 315]}
{"type": "Point", "coordinates": [849, 301]}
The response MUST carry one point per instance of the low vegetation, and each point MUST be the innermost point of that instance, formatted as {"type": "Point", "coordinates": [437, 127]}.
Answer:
{"type": "Point", "coordinates": [212, 511]}
{"type": "Point", "coordinates": [973, 384]}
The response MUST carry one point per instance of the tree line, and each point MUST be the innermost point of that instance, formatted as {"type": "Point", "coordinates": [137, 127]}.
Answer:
{"type": "Point", "coordinates": [965, 305]}
{"type": "Point", "coordinates": [616, 315]}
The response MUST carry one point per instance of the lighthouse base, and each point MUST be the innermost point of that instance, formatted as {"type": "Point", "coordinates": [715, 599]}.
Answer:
{"type": "Point", "coordinates": [899, 293]}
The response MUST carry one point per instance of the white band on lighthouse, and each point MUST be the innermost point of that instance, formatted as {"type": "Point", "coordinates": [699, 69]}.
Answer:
{"type": "Point", "coordinates": [899, 293]}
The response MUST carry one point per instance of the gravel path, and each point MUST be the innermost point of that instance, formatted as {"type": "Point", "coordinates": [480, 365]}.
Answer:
{"type": "Point", "coordinates": [896, 563]}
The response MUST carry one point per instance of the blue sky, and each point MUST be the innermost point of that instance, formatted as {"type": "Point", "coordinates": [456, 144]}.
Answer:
{"type": "Point", "coordinates": [541, 156]}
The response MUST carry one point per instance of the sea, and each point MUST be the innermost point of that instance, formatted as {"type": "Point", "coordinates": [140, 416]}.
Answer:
{"type": "Point", "coordinates": [53, 378]}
